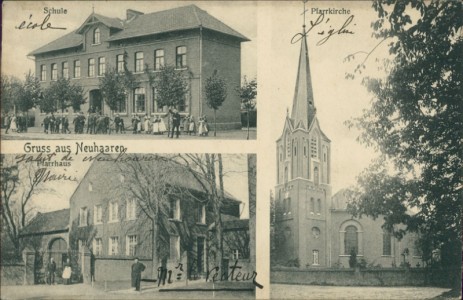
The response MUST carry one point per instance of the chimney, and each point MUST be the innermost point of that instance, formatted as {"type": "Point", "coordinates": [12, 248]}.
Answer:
{"type": "Point", "coordinates": [132, 14]}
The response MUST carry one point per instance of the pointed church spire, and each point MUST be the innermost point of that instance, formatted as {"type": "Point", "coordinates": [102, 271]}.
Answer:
{"type": "Point", "coordinates": [303, 110]}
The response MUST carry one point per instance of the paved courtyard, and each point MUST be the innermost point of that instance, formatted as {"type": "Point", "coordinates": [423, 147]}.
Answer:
{"type": "Point", "coordinates": [36, 133]}
{"type": "Point", "coordinates": [286, 291]}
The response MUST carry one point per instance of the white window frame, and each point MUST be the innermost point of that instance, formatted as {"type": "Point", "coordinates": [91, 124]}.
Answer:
{"type": "Point", "coordinates": [83, 217]}
{"type": "Point", "coordinates": [176, 215]}
{"type": "Point", "coordinates": [113, 245]}
{"type": "Point", "coordinates": [98, 214]}
{"type": "Point", "coordinates": [131, 243]}
{"type": "Point", "coordinates": [113, 206]}
{"type": "Point", "coordinates": [97, 246]}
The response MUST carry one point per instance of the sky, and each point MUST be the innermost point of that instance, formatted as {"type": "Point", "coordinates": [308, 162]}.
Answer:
{"type": "Point", "coordinates": [336, 98]}
{"type": "Point", "coordinates": [16, 44]}
{"type": "Point", "coordinates": [55, 195]}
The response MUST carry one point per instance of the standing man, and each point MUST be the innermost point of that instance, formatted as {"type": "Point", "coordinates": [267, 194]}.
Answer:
{"type": "Point", "coordinates": [137, 268]}
{"type": "Point", "coordinates": [175, 123]}
{"type": "Point", "coordinates": [117, 122]}
{"type": "Point", "coordinates": [51, 269]}
{"type": "Point", "coordinates": [7, 122]}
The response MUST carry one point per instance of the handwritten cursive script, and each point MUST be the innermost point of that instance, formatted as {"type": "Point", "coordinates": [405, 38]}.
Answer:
{"type": "Point", "coordinates": [45, 175]}
{"type": "Point", "coordinates": [44, 25]}
{"type": "Point", "coordinates": [327, 34]}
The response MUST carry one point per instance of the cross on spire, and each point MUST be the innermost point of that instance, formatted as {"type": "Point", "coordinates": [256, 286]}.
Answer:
{"type": "Point", "coordinates": [93, 8]}
{"type": "Point", "coordinates": [303, 13]}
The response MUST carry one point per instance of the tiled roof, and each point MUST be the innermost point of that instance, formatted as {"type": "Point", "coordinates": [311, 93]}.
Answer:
{"type": "Point", "coordinates": [70, 40]}
{"type": "Point", "coordinates": [181, 18]}
{"type": "Point", "coordinates": [48, 222]}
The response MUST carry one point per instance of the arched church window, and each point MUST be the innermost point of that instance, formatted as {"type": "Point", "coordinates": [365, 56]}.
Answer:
{"type": "Point", "coordinates": [316, 232]}
{"type": "Point", "coordinates": [312, 205]}
{"type": "Point", "coordinates": [319, 206]}
{"type": "Point", "coordinates": [316, 178]}
{"type": "Point", "coordinates": [295, 150]}
{"type": "Point", "coordinates": [286, 174]}
{"type": "Point", "coordinates": [351, 240]}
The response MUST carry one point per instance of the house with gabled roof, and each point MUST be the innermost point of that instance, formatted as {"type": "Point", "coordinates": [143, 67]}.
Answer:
{"type": "Point", "coordinates": [187, 37]}
{"type": "Point", "coordinates": [112, 225]}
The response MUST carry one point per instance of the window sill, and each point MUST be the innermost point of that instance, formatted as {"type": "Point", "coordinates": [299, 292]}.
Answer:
{"type": "Point", "coordinates": [181, 69]}
{"type": "Point", "coordinates": [138, 72]}
{"type": "Point", "coordinates": [175, 220]}
{"type": "Point", "coordinates": [348, 255]}
{"type": "Point", "coordinates": [202, 224]}
{"type": "Point", "coordinates": [386, 255]}
{"type": "Point", "coordinates": [75, 78]}
{"type": "Point", "coordinates": [96, 44]}
{"type": "Point", "coordinates": [101, 75]}
{"type": "Point", "coordinates": [91, 76]}
{"type": "Point", "coordinates": [113, 221]}
{"type": "Point", "coordinates": [98, 223]}
{"type": "Point", "coordinates": [83, 226]}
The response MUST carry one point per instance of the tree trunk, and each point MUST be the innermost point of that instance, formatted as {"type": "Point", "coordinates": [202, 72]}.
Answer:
{"type": "Point", "coordinates": [247, 117]}
{"type": "Point", "coordinates": [219, 216]}
{"type": "Point", "coordinates": [154, 252]}
{"type": "Point", "coordinates": [252, 206]}
{"type": "Point", "coordinates": [215, 123]}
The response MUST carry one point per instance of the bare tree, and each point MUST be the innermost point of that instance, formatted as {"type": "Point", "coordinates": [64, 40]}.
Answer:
{"type": "Point", "coordinates": [18, 185]}
{"type": "Point", "coordinates": [154, 185]}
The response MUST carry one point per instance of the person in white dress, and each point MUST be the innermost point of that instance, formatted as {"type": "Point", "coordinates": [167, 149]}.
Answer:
{"type": "Point", "coordinates": [13, 125]}
{"type": "Point", "coordinates": [162, 126]}
{"type": "Point", "coordinates": [191, 126]}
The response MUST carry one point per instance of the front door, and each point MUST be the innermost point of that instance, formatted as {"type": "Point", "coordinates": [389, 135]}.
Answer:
{"type": "Point", "coordinates": [96, 102]}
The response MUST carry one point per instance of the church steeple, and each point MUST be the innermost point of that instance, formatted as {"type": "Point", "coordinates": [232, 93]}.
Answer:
{"type": "Point", "coordinates": [303, 110]}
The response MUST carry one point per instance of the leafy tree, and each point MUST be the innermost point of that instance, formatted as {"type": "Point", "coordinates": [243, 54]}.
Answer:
{"type": "Point", "coordinates": [61, 94]}
{"type": "Point", "coordinates": [10, 91]}
{"type": "Point", "coordinates": [416, 122]}
{"type": "Point", "coordinates": [216, 93]}
{"type": "Point", "coordinates": [114, 90]}
{"type": "Point", "coordinates": [248, 93]}
{"type": "Point", "coordinates": [171, 87]}
{"type": "Point", "coordinates": [30, 93]}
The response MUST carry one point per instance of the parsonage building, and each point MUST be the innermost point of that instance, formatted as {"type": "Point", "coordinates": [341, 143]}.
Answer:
{"type": "Point", "coordinates": [188, 38]}
{"type": "Point", "coordinates": [106, 225]}
{"type": "Point", "coordinates": [313, 227]}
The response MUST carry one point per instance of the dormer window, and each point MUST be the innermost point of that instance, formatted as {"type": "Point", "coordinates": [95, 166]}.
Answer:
{"type": "Point", "coordinates": [96, 36]}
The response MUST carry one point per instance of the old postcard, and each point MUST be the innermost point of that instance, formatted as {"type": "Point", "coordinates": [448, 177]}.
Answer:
{"type": "Point", "coordinates": [140, 70]}
{"type": "Point", "coordinates": [132, 167]}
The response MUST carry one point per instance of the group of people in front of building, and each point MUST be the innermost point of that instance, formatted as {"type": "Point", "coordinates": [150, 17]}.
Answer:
{"type": "Point", "coordinates": [14, 122]}
{"type": "Point", "coordinates": [172, 123]}
{"type": "Point", "coordinates": [52, 271]}
{"type": "Point", "coordinates": [96, 123]}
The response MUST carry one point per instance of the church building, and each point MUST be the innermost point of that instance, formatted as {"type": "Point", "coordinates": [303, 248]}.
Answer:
{"type": "Point", "coordinates": [314, 227]}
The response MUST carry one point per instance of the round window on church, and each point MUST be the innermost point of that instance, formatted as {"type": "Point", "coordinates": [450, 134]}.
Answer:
{"type": "Point", "coordinates": [316, 232]}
